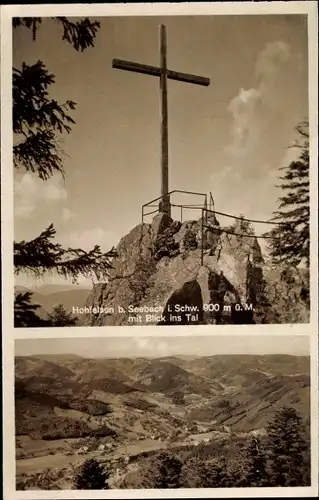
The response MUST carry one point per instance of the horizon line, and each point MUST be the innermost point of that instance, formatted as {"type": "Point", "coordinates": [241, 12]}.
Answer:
{"type": "Point", "coordinates": [173, 355]}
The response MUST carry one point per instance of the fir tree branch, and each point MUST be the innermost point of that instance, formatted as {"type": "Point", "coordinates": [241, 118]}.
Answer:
{"type": "Point", "coordinates": [80, 34]}
{"type": "Point", "coordinates": [39, 120]}
{"type": "Point", "coordinates": [41, 256]}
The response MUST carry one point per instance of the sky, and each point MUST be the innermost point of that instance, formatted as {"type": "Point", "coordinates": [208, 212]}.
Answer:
{"type": "Point", "coordinates": [165, 346]}
{"type": "Point", "coordinates": [229, 138]}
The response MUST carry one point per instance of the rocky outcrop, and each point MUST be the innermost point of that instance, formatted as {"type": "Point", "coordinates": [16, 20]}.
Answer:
{"type": "Point", "coordinates": [161, 277]}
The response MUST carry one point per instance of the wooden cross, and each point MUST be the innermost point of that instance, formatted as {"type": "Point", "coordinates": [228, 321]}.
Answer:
{"type": "Point", "coordinates": [163, 73]}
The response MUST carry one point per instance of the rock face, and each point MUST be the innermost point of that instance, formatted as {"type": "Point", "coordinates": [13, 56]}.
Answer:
{"type": "Point", "coordinates": [158, 277]}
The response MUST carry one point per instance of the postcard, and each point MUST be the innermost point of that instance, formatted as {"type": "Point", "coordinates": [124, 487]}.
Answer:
{"type": "Point", "coordinates": [159, 167]}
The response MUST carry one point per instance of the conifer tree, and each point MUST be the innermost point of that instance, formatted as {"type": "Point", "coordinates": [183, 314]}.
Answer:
{"type": "Point", "coordinates": [91, 476]}
{"type": "Point", "coordinates": [38, 120]}
{"type": "Point", "coordinates": [60, 317]}
{"type": "Point", "coordinates": [25, 312]}
{"type": "Point", "coordinates": [216, 473]}
{"type": "Point", "coordinates": [212, 473]}
{"type": "Point", "coordinates": [168, 471]}
{"type": "Point", "coordinates": [41, 256]}
{"type": "Point", "coordinates": [287, 449]}
{"type": "Point", "coordinates": [162, 471]}
{"type": "Point", "coordinates": [256, 474]}
{"type": "Point", "coordinates": [191, 474]}
{"type": "Point", "coordinates": [291, 236]}
{"type": "Point", "coordinates": [38, 124]}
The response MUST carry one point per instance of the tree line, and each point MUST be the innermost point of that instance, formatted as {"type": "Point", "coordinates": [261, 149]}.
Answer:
{"type": "Point", "coordinates": [279, 460]}
{"type": "Point", "coordinates": [25, 314]}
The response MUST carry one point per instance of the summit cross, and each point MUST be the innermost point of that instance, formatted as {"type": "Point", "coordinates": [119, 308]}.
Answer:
{"type": "Point", "coordinates": [163, 73]}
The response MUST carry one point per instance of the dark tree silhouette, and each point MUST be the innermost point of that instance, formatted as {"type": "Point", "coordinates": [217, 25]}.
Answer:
{"type": "Point", "coordinates": [200, 473]}
{"type": "Point", "coordinates": [41, 255]}
{"type": "Point", "coordinates": [287, 449]}
{"type": "Point", "coordinates": [292, 234]}
{"type": "Point", "coordinates": [168, 471]}
{"type": "Point", "coordinates": [80, 34]}
{"type": "Point", "coordinates": [25, 312]}
{"type": "Point", "coordinates": [217, 475]}
{"type": "Point", "coordinates": [256, 474]}
{"type": "Point", "coordinates": [162, 471]}
{"type": "Point", "coordinates": [38, 124]}
{"type": "Point", "coordinates": [91, 476]}
{"type": "Point", "coordinates": [60, 317]}
{"type": "Point", "coordinates": [37, 119]}
{"type": "Point", "coordinates": [192, 472]}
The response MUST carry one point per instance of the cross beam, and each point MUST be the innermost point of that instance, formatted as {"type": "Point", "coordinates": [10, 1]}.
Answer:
{"type": "Point", "coordinates": [145, 69]}
{"type": "Point", "coordinates": [163, 73]}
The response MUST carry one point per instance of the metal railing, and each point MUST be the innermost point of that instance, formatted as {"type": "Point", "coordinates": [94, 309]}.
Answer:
{"type": "Point", "coordinates": [205, 213]}
{"type": "Point", "coordinates": [223, 230]}
{"type": "Point", "coordinates": [159, 198]}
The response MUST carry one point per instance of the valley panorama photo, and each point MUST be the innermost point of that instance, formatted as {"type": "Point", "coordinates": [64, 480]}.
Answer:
{"type": "Point", "coordinates": [123, 413]}
{"type": "Point", "coordinates": [161, 170]}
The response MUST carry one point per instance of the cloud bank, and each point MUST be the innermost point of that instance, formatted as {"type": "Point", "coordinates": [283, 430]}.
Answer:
{"type": "Point", "coordinates": [262, 124]}
{"type": "Point", "coordinates": [252, 109]}
{"type": "Point", "coordinates": [30, 193]}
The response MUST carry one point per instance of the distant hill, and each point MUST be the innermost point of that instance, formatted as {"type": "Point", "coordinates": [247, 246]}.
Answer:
{"type": "Point", "coordinates": [256, 403]}
{"type": "Point", "coordinates": [48, 289]}
{"type": "Point", "coordinates": [242, 392]}
{"type": "Point", "coordinates": [244, 367]}
{"type": "Point", "coordinates": [49, 296]}
{"type": "Point", "coordinates": [57, 358]}
{"type": "Point", "coordinates": [166, 377]}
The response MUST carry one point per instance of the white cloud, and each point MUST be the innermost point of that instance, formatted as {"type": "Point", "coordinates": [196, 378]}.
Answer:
{"type": "Point", "coordinates": [88, 238]}
{"type": "Point", "coordinates": [54, 192]}
{"type": "Point", "coordinates": [31, 192]}
{"type": "Point", "coordinates": [67, 214]}
{"type": "Point", "coordinates": [244, 108]}
{"type": "Point", "coordinates": [272, 57]}
{"type": "Point", "coordinates": [151, 346]}
{"type": "Point", "coordinates": [250, 108]}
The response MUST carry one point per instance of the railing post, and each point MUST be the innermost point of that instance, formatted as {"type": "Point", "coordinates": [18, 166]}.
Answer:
{"type": "Point", "coordinates": [142, 214]}
{"type": "Point", "coordinates": [181, 213]}
{"type": "Point", "coordinates": [212, 201]}
{"type": "Point", "coordinates": [202, 249]}
{"type": "Point", "coordinates": [206, 208]}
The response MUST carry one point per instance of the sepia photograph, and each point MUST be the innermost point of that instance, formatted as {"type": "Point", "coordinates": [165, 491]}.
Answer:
{"type": "Point", "coordinates": [161, 170]}
{"type": "Point", "coordinates": [162, 412]}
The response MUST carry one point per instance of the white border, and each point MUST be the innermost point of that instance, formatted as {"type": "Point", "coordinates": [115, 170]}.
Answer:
{"type": "Point", "coordinates": [180, 493]}
{"type": "Point", "coordinates": [164, 331]}
{"type": "Point", "coordinates": [158, 9]}
{"type": "Point", "coordinates": [164, 9]}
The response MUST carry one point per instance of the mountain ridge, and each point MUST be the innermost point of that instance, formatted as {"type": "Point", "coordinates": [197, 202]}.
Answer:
{"type": "Point", "coordinates": [196, 386]}
{"type": "Point", "coordinates": [69, 298]}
